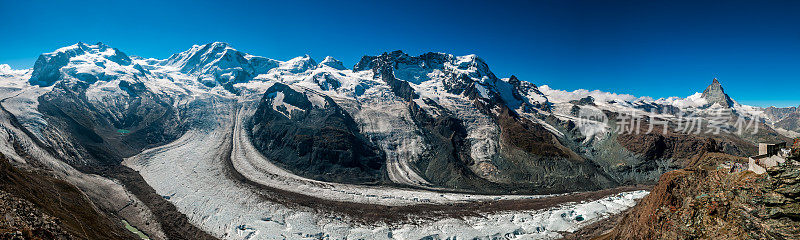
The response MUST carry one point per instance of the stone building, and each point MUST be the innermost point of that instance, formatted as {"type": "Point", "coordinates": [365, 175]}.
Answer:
{"type": "Point", "coordinates": [769, 155]}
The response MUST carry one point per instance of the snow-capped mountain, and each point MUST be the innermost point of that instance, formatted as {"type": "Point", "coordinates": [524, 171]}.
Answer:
{"type": "Point", "coordinates": [88, 63]}
{"type": "Point", "coordinates": [333, 63]}
{"type": "Point", "coordinates": [460, 90]}
{"type": "Point", "coordinates": [395, 130]}
{"type": "Point", "coordinates": [218, 63]}
{"type": "Point", "coordinates": [422, 93]}
{"type": "Point", "coordinates": [714, 94]}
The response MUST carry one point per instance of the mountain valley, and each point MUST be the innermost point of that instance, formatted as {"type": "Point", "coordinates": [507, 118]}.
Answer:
{"type": "Point", "coordinates": [215, 143]}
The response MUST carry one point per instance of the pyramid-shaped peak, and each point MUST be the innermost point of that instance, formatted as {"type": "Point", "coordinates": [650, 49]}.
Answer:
{"type": "Point", "coordinates": [715, 85]}
{"type": "Point", "coordinates": [715, 94]}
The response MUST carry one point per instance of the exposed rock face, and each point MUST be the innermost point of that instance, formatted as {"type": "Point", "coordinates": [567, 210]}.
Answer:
{"type": "Point", "coordinates": [465, 76]}
{"type": "Point", "coordinates": [535, 156]}
{"type": "Point", "coordinates": [46, 69]}
{"type": "Point", "coordinates": [318, 140]}
{"type": "Point", "coordinates": [584, 101]}
{"type": "Point", "coordinates": [715, 94]}
{"type": "Point", "coordinates": [780, 113]}
{"type": "Point", "coordinates": [703, 202]}
{"type": "Point", "coordinates": [36, 206]}
{"type": "Point", "coordinates": [658, 108]}
{"type": "Point", "coordinates": [525, 88]}
{"type": "Point", "coordinates": [786, 118]}
{"type": "Point", "coordinates": [104, 132]}
{"type": "Point", "coordinates": [530, 159]}
{"type": "Point", "coordinates": [790, 122]}
{"type": "Point", "coordinates": [447, 162]}
{"type": "Point", "coordinates": [670, 146]}
{"type": "Point", "coordinates": [658, 151]}
{"type": "Point", "coordinates": [383, 68]}
{"type": "Point", "coordinates": [679, 146]}
{"type": "Point", "coordinates": [409, 68]}
{"type": "Point", "coordinates": [783, 195]}
{"type": "Point", "coordinates": [21, 220]}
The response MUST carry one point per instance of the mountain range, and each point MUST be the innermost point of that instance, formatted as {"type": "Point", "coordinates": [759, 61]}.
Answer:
{"type": "Point", "coordinates": [200, 144]}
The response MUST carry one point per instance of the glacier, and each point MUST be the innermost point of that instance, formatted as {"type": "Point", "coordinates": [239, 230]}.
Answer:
{"type": "Point", "coordinates": [215, 176]}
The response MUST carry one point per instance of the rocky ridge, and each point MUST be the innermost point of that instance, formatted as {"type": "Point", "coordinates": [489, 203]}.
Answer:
{"type": "Point", "coordinates": [705, 201]}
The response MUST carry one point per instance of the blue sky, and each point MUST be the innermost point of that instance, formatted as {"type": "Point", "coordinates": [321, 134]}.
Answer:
{"type": "Point", "coordinates": [644, 48]}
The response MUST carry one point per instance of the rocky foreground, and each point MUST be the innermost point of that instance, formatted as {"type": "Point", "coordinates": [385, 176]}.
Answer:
{"type": "Point", "coordinates": [34, 205]}
{"type": "Point", "coordinates": [705, 201]}
{"type": "Point", "coordinates": [21, 220]}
